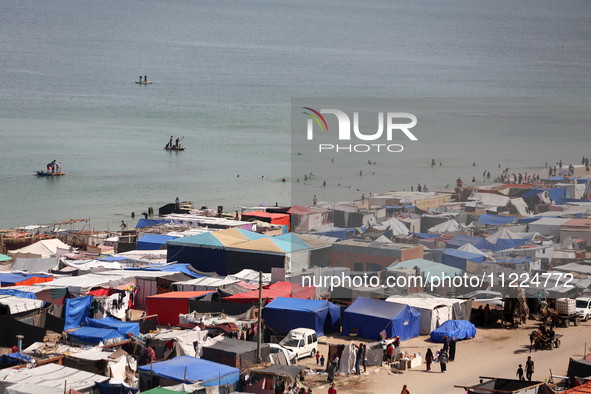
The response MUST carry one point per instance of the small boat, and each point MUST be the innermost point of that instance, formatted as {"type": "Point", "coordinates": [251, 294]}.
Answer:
{"type": "Point", "coordinates": [143, 82]}
{"type": "Point", "coordinates": [43, 173]}
{"type": "Point", "coordinates": [169, 148]}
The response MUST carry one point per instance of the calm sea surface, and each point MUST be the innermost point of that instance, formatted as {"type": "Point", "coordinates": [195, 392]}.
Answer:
{"type": "Point", "coordinates": [224, 74]}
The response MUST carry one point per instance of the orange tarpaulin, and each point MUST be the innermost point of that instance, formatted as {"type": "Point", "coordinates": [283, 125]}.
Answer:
{"type": "Point", "coordinates": [272, 291]}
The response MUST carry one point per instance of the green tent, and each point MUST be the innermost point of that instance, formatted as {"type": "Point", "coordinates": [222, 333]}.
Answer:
{"type": "Point", "coordinates": [4, 257]}
{"type": "Point", "coordinates": [162, 390]}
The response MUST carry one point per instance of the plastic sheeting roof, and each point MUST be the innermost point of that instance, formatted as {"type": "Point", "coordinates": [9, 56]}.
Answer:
{"type": "Point", "coordinates": [496, 220]}
{"type": "Point", "coordinates": [197, 370]}
{"type": "Point", "coordinates": [54, 376]}
{"type": "Point", "coordinates": [94, 335]}
{"type": "Point", "coordinates": [18, 304]}
{"type": "Point", "coordinates": [153, 241]}
{"type": "Point", "coordinates": [13, 278]}
{"type": "Point", "coordinates": [274, 290]}
{"type": "Point", "coordinates": [124, 328]}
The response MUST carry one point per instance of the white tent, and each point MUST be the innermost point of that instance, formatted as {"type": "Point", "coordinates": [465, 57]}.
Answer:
{"type": "Point", "coordinates": [52, 376]}
{"type": "Point", "coordinates": [435, 311]}
{"type": "Point", "coordinates": [34, 264]}
{"type": "Point", "coordinates": [19, 304]}
{"type": "Point", "coordinates": [41, 249]}
{"type": "Point", "coordinates": [445, 227]}
{"type": "Point", "coordinates": [467, 247]}
{"type": "Point", "coordinates": [502, 234]}
{"type": "Point", "coordinates": [548, 226]}
{"type": "Point", "coordinates": [397, 227]}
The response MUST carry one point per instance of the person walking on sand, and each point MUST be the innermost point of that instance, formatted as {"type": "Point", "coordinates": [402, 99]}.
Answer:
{"type": "Point", "coordinates": [315, 200]}
{"type": "Point", "coordinates": [529, 368]}
{"type": "Point", "coordinates": [520, 373]}
{"type": "Point", "coordinates": [429, 359]}
{"type": "Point", "coordinates": [443, 360]}
{"type": "Point", "coordinates": [404, 390]}
{"type": "Point", "coordinates": [317, 357]}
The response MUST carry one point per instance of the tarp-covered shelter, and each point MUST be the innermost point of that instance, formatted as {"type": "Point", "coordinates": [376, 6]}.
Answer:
{"type": "Point", "coordinates": [461, 240]}
{"type": "Point", "coordinates": [458, 259]}
{"type": "Point", "coordinates": [93, 335]}
{"type": "Point", "coordinates": [41, 249]}
{"type": "Point", "coordinates": [287, 251]}
{"type": "Point", "coordinates": [273, 291]}
{"type": "Point", "coordinates": [207, 252]}
{"type": "Point", "coordinates": [77, 310]}
{"type": "Point", "coordinates": [280, 219]}
{"type": "Point", "coordinates": [496, 220]}
{"type": "Point", "coordinates": [367, 318]}
{"type": "Point", "coordinates": [35, 264]}
{"type": "Point", "coordinates": [284, 314]}
{"type": "Point", "coordinates": [153, 241]}
{"type": "Point", "coordinates": [11, 305]}
{"type": "Point", "coordinates": [578, 369]}
{"type": "Point", "coordinates": [168, 306]}
{"type": "Point", "coordinates": [435, 311]}
{"type": "Point", "coordinates": [190, 369]}
{"type": "Point", "coordinates": [17, 279]}
{"type": "Point", "coordinates": [124, 328]}
{"type": "Point", "coordinates": [53, 376]}
{"type": "Point", "coordinates": [459, 329]}
{"type": "Point", "coordinates": [234, 353]}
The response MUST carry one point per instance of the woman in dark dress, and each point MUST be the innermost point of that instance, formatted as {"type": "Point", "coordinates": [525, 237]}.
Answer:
{"type": "Point", "coordinates": [452, 349]}
{"type": "Point", "coordinates": [429, 359]}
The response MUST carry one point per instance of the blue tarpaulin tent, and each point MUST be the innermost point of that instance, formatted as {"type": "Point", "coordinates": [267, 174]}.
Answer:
{"type": "Point", "coordinates": [503, 244]}
{"type": "Point", "coordinates": [13, 279]}
{"type": "Point", "coordinates": [458, 258]}
{"type": "Point", "coordinates": [459, 329]}
{"type": "Point", "coordinates": [18, 293]}
{"type": "Point", "coordinates": [197, 370]}
{"type": "Point", "coordinates": [77, 310]}
{"type": "Point", "coordinates": [496, 220]}
{"type": "Point", "coordinates": [153, 241]}
{"type": "Point", "coordinates": [367, 317]}
{"type": "Point", "coordinates": [94, 335]}
{"type": "Point", "coordinates": [283, 314]}
{"type": "Point", "coordinates": [461, 240]}
{"type": "Point", "coordinates": [150, 222]}
{"type": "Point", "coordinates": [124, 328]}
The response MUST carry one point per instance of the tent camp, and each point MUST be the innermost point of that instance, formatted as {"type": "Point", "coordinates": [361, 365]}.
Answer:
{"type": "Point", "coordinates": [367, 318]}
{"type": "Point", "coordinates": [41, 249]}
{"type": "Point", "coordinates": [434, 310]}
{"type": "Point", "coordinates": [459, 329]}
{"type": "Point", "coordinates": [168, 306]}
{"type": "Point", "coordinates": [284, 314]}
{"type": "Point", "coordinates": [189, 369]}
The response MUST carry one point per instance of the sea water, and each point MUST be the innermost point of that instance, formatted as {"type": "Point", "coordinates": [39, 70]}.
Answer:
{"type": "Point", "coordinates": [223, 75]}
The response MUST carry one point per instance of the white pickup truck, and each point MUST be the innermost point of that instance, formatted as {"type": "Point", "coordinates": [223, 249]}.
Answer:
{"type": "Point", "coordinates": [583, 307]}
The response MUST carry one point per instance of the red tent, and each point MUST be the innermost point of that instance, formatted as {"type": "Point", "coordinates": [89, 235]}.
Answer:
{"type": "Point", "coordinates": [273, 218]}
{"type": "Point", "coordinates": [168, 306]}
{"type": "Point", "coordinates": [272, 291]}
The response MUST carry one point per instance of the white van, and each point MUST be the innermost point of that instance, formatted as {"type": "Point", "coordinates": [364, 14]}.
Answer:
{"type": "Point", "coordinates": [302, 341]}
{"type": "Point", "coordinates": [583, 306]}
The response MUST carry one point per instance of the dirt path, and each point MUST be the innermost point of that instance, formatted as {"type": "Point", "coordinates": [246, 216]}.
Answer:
{"type": "Point", "coordinates": [493, 353]}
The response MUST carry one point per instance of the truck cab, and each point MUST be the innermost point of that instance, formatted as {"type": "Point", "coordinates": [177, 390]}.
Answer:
{"type": "Point", "coordinates": [302, 341]}
{"type": "Point", "coordinates": [583, 306]}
